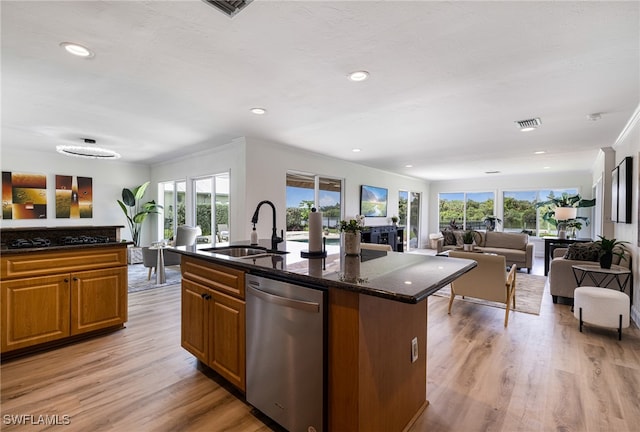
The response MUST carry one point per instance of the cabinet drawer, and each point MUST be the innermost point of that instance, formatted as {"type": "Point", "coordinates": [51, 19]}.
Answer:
{"type": "Point", "coordinates": [43, 263]}
{"type": "Point", "coordinates": [214, 276]}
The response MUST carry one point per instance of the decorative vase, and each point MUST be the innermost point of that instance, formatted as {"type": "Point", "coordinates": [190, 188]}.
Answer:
{"type": "Point", "coordinates": [467, 247]}
{"type": "Point", "coordinates": [351, 242]}
{"type": "Point", "coordinates": [351, 268]}
{"type": "Point", "coordinates": [606, 259]}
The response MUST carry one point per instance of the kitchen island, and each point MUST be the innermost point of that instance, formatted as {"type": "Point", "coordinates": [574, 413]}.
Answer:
{"type": "Point", "coordinates": [376, 369]}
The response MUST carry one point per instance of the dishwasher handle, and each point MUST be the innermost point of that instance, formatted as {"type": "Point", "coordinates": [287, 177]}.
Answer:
{"type": "Point", "coordinates": [284, 301]}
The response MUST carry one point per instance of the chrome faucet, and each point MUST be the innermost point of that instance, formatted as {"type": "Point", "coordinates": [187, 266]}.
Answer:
{"type": "Point", "coordinates": [274, 235]}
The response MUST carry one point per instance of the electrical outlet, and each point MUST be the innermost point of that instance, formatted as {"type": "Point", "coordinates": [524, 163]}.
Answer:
{"type": "Point", "coordinates": [414, 349]}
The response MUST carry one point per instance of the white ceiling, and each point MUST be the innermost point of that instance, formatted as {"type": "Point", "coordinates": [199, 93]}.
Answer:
{"type": "Point", "coordinates": [448, 79]}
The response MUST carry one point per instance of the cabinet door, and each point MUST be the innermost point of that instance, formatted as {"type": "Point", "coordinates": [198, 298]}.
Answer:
{"type": "Point", "coordinates": [98, 299]}
{"type": "Point", "coordinates": [227, 346]}
{"type": "Point", "coordinates": [34, 310]}
{"type": "Point", "coordinates": [195, 314]}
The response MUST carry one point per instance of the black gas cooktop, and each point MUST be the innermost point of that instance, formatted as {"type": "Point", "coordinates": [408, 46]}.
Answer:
{"type": "Point", "coordinates": [38, 242]}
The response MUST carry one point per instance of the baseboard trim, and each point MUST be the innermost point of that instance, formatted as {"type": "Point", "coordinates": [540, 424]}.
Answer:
{"type": "Point", "coordinates": [635, 315]}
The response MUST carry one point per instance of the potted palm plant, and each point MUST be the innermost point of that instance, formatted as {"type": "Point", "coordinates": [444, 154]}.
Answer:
{"type": "Point", "coordinates": [609, 248]}
{"type": "Point", "coordinates": [136, 213]}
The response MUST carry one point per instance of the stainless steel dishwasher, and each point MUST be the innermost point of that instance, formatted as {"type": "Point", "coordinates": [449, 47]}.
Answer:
{"type": "Point", "coordinates": [285, 352]}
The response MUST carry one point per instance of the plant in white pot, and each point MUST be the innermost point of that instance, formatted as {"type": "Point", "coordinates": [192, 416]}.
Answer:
{"type": "Point", "coordinates": [558, 210]}
{"type": "Point", "coordinates": [468, 237]}
{"type": "Point", "coordinates": [136, 213]}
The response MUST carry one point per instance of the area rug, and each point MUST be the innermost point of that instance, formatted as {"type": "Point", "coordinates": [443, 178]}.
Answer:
{"type": "Point", "coordinates": [529, 291]}
{"type": "Point", "coordinates": [138, 278]}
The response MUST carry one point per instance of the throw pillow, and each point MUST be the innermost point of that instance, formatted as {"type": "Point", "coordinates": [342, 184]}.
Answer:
{"type": "Point", "coordinates": [583, 252]}
{"type": "Point", "coordinates": [449, 238]}
{"type": "Point", "coordinates": [458, 235]}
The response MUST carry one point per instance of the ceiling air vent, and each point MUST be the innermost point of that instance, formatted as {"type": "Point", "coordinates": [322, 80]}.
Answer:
{"type": "Point", "coordinates": [228, 7]}
{"type": "Point", "coordinates": [530, 124]}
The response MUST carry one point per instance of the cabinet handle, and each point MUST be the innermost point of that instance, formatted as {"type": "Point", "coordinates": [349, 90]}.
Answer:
{"type": "Point", "coordinates": [75, 278]}
{"type": "Point", "coordinates": [66, 279]}
{"type": "Point", "coordinates": [207, 296]}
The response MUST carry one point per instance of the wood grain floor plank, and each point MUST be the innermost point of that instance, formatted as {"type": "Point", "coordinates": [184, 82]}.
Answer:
{"type": "Point", "coordinates": [539, 374]}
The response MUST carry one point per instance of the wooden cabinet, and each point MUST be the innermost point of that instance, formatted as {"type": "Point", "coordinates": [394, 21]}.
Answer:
{"type": "Point", "coordinates": [213, 317]}
{"type": "Point", "coordinates": [34, 311]}
{"type": "Point", "coordinates": [98, 299]}
{"type": "Point", "coordinates": [44, 299]}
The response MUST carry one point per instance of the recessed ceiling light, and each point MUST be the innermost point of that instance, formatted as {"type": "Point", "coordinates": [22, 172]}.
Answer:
{"type": "Point", "coordinates": [540, 152]}
{"type": "Point", "coordinates": [408, 166]}
{"type": "Point", "coordinates": [258, 111]}
{"type": "Point", "coordinates": [547, 167]}
{"type": "Point", "coordinates": [87, 151]}
{"type": "Point", "coordinates": [355, 150]}
{"type": "Point", "coordinates": [358, 75]}
{"type": "Point", "coordinates": [77, 50]}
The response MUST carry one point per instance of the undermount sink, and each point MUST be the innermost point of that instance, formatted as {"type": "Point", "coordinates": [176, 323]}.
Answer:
{"type": "Point", "coordinates": [242, 251]}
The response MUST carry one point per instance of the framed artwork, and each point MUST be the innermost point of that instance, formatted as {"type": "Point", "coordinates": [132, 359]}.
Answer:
{"type": "Point", "coordinates": [614, 195]}
{"type": "Point", "coordinates": [74, 197]}
{"type": "Point", "coordinates": [621, 190]}
{"type": "Point", "coordinates": [24, 195]}
{"type": "Point", "coordinates": [373, 201]}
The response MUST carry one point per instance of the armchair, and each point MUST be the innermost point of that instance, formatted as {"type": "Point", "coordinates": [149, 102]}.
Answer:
{"type": "Point", "coordinates": [561, 279]}
{"type": "Point", "coordinates": [185, 236]}
{"type": "Point", "coordinates": [488, 281]}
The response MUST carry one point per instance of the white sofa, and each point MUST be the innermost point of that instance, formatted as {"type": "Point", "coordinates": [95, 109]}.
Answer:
{"type": "Point", "coordinates": [515, 247]}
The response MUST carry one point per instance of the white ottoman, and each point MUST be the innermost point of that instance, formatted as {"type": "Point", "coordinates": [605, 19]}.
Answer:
{"type": "Point", "coordinates": [602, 307]}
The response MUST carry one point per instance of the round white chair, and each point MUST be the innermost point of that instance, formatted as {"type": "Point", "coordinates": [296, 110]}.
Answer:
{"type": "Point", "coordinates": [602, 307]}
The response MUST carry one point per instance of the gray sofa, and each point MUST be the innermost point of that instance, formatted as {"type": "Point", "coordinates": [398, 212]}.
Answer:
{"type": "Point", "coordinates": [561, 280]}
{"type": "Point", "coordinates": [515, 247]}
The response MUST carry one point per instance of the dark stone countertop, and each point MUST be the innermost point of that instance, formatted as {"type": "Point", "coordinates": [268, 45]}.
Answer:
{"type": "Point", "coordinates": [403, 277]}
{"type": "Point", "coordinates": [4, 250]}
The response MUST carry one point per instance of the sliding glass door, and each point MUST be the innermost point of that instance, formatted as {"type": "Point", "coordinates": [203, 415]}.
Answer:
{"type": "Point", "coordinates": [306, 191]}
{"type": "Point", "coordinates": [211, 212]}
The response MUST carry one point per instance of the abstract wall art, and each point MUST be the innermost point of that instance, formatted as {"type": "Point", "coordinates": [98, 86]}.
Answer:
{"type": "Point", "coordinates": [24, 195]}
{"type": "Point", "coordinates": [74, 197]}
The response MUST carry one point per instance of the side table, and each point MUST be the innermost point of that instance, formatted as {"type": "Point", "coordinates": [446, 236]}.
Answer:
{"type": "Point", "coordinates": [160, 273]}
{"type": "Point", "coordinates": [601, 276]}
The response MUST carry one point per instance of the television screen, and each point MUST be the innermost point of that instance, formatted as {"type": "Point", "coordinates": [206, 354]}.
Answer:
{"type": "Point", "coordinates": [373, 201]}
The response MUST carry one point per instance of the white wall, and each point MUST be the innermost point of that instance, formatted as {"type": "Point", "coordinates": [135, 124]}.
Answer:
{"type": "Point", "coordinates": [628, 144]}
{"type": "Point", "coordinates": [580, 179]}
{"type": "Point", "coordinates": [267, 166]}
{"type": "Point", "coordinates": [109, 177]}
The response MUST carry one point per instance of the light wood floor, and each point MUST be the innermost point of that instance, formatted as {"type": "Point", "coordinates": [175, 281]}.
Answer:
{"type": "Point", "coordinates": [539, 374]}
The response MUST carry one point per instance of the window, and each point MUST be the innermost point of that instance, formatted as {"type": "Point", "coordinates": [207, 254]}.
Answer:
{"type": "Point", "coordinates": [520, 214]}
{"type": "Point", "coordinates": [465, 210]}
{"type": "Point", "coordinates": [305, 191]}
{"type": "Point", "coordinates": [172, 198]}
{"type": "Point", "coordinates": [212, 207]}
{"type": "Point", "coordinates": [409, 216]}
